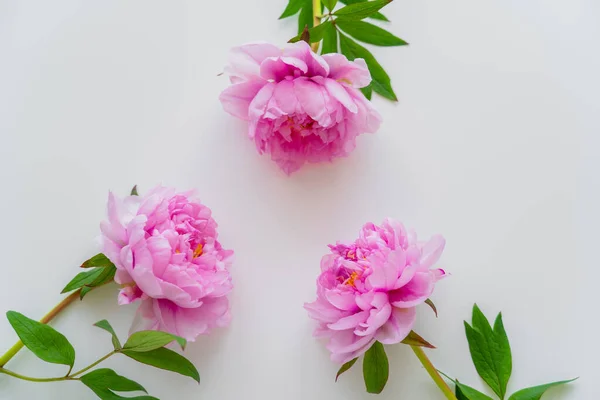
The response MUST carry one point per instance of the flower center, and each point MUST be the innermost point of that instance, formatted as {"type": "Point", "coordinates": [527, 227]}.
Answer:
{"type": "Point", "coordinates": [198, 251]}
{"type": "Point", "coordinates": [351, 279]}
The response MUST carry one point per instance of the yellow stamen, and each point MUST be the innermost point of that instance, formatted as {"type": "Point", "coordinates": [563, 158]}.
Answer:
{"type": "Point", "coordinates": [177, 251]}
{"type": "Point", "coordinates": [198, 251]}
{"type": "Point", "coordinates": [350, 281]}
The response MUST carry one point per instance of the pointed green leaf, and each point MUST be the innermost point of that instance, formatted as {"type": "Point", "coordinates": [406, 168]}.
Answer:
{"type": "Point", "coordinates": [369, 33]}
{"type": "Point", "coordinates": [468, 393]}
{"type": "Point", "coordinates": [381, 82]}
{"type": "Point", "coordinates": [361, 10]}
{"type": "Point", "coordinates": [82, 279]}
{"type": "Point", "coordinates": [305, 18]}
{"type": "Point", "coordinates": [134, 191]}
{"type": "Point", "coordinates": [84, 290]}
{"type": "Point", "coordinates": [377, 15]}
{"type": "Point", "coordinates": [104, 382]}
{"type": "Point", "coordinates": [330, 40]}
{"type": "Point", "coordinates": [43, 341]}
{"type": "Point", "coordinates": [292, 8]}
{"type": "Point", "coordinates": [432, 305]}
{"type": "Point", "coordinates": [345, 368]}
{"type": "Point", "coordinates": [330, 4]}
{"type": "Point", "coordinates": [376, 368]}
{"type": "Point", "coordinates": [490, 351]}
{"type": "Point", "coordinates": [459, 394]}
{"type": "Point", "coordinates": [104, 324]}
{"type": "Point", "coordinates": [414, 339]}
{"type": "Point", "coordinates": [166, 359]}
{"type": "Point", "coordinates": [99, 260]}
{"type": "Point", "coordinates": [536, 392]}
{"type": "Point", "coordinates": [143, 341]}
{"type": "Point", "coordinates": [367, 91]}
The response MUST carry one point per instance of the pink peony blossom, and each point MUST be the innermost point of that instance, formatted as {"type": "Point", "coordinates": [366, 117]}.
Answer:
{"type": "Point", "coordinates": [301, 107]}
{"type": "Point", "coordinates": [368, 290]}
{"type": "Point", "coordinates": [164, 245]}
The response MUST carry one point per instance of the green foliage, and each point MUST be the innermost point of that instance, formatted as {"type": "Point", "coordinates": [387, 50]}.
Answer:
{"type": "Point", "coordinates": [490, 351]}
{"type": "Point", "coordinates": [414, 339]}
{"type": "Point", "coordinates": [166, 359]}
{"type": "Point", "coordinates": [43, 341]}
{"type": "Point", "coordinates": [105, 382]}
{"type": "Point", "coordinates": [369, 33]}
{"type": "Point", "coordinates": [376, 368]}
{"type": "Point", "coordinates": [345, 368]}
{"type": "Point", "coordinates": [104, 324]}
{"type": "Point", "coordinates": [144, 341]}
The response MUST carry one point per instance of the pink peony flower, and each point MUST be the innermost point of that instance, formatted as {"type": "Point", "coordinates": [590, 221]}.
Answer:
{"type": "Point", "coordinates": [165, 248]}
{"type": "Point", "coordinates": [301, 107]}
{"type": "Point", "coordinates": [368, 290]}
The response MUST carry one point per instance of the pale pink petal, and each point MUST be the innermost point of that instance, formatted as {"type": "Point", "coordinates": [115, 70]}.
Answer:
{"type": "Point", "coordinates": [342, 300]}
{"type": "Point", "coordinates": [377, 317]}
{"type": "Point", "coordinates": [349, 322]}
{"type": "Point", "coordinates": [355, 74]}
{"type": "Point", "coordinates": [432, 250]}
{"type": "Point", "coordinates": [277, 68]}
{"type": "Point", "coordinates": [317, 66]}
{"type": "Point", "coordinates": [244, 61]}
{"type": "Point", "coordinates": [236, 99]}
{"type": "Point", "coordinates": [339, 93]}
{"type": "Point", "coordinates": [398, 326]}
{"type": "Point", "coordinates": [414, 292]}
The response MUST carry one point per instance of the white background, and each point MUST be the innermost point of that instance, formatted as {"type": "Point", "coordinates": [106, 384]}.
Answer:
{"type": "Point", "coordinates": [490, 144]}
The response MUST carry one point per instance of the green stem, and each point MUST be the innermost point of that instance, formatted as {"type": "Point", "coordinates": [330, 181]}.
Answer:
{"type": "Point", "coordinates": [93, 364]}
{"type": "Point", "coordinates": [439, 381]}
{"type": "Point", "coordinates": [71, 377]}
{"type": "Point", "coordinates": [47, 318]}
{"type": "Point", "coordinates": [317, 20]}
{"type": "Point", "coordinates": [30, 379]}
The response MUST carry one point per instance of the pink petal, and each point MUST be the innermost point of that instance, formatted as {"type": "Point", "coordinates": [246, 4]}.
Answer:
{"type": "Point", "coordinates": [244, 61]}
{"type": "Point", "coordinates": [415, 292]}
{"type": "Point", "coordinates": [432, 250]}
{"type": "Point", "coordinates": [317, 66]}
{"type": "Point", "coordinates": [398, 326]}
{"type": "Point", "coordinates": [349, 322]}
{"type": "Point", "coordinates": [313, 100]}
{"type": "Point", "coordinates": [342, 300]}
{"type": "Point", "coordinates": [376, 319]}
{"type": "Point", "coordinates": [339, 93]}
{"type": "Point", "coordinates": [277, 68]}
{"type": "Point", "coordinates": [236, 99]}
{"type": "Point", "coordinates": [355, 73]}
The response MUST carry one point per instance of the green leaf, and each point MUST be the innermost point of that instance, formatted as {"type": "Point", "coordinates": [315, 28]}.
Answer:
{"type": "Point", "coordinates": [345, 368]}
{"type": "Point", "coordinates": [381, 82]}
{"type": "Point", "coordinates": [166, 359]}
{"type": "Point", "coordinates": [459, 394]}
{"type": "Point", "coordinates": [414, 339]}
{"type": "Point", "coordinates": [143, 341]}
{"type": "Point", "coordinates": [134, 191]}
{"type": "Point", "coordinates": [367, 91]}
{"type": "Point", "coordinates": [84, 290]}
{"type": "Point", "coordinates": [82, 279]}
{"type": "Point", "coordinates": [536, 392]}
{"type": "Point", "coordinates": [104, 382]}
{"type": "Point", "coordinates": [330, 4]}
{"type": "Point", "coordinates": [315, 34]}
{"type": "Point", "coordinates": [99, 260]}
{"type": "Point", "coordinates": [292, 8]}
{"type": "Point", "coordinates": [330, 40]}
{"type": "Point", "coordinates": [490, 351]}
{"type": "Point", "coordinates": [469, 393]}
{"type": "Point", "coordinates": [376, 368]}
{"type": "Point", "coordinates": [377, 15]}
{"type": "Point", "coordinates": [104, 324]}
{"type": "Point", "coordinates": [305, 18]}
{"type": "Point", "coordinates": [433, 307]}
{"type": "Point", "coordinates": [361, 10]}
{"type": "Point", "coordinates": [369, 33]}
{"type": "Point", "coordinates": [43, 341]}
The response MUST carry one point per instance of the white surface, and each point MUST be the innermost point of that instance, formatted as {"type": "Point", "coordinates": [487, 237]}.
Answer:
{"type": "Point", "coordinates": [490, 144]}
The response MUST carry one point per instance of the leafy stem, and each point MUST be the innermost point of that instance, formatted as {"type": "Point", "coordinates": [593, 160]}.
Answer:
{"type": "Point", "coordinates": [317, 20]}
{"type": "Point", "coordinates": [439, 381]}
{"type": "Point", "coordinates": [68, 377]}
